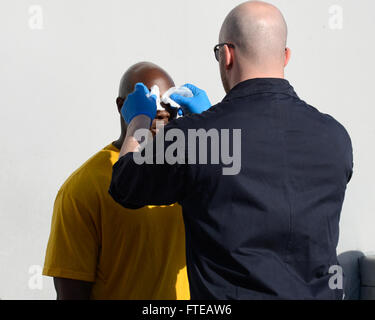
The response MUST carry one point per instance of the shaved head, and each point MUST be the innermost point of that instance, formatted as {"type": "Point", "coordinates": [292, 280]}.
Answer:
{"type": "Point", "coordinates": [149, 74]}
{"type": "Point", "coordinates": [259, 32]}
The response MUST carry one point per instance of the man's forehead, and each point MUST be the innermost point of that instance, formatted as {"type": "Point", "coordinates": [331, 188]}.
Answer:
{"type": "Point", "coordinates": [147, 73]}
{"type": "Point", "coordinates": [162, 82]}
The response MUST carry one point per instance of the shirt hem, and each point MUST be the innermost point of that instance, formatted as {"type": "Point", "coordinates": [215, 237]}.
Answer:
{"type": "Point", "coordinates": [68, 274]}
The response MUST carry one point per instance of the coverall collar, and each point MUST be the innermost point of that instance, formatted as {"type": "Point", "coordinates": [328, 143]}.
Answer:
{"type": "Point", "coordinates": [260, 85]}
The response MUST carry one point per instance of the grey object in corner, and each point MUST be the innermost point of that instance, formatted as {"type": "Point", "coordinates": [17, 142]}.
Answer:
{"type": "Point", "coordinates": [367, 271]}
{"type": "Point", "coordinates": [359, 275]}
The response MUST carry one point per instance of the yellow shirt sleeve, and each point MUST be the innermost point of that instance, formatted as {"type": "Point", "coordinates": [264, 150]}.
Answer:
{"type": "Point", "coordinates": [73, 246]}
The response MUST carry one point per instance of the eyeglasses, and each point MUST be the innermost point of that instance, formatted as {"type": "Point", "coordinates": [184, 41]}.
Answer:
{"type": "Point", "coordinates": [218, 46]}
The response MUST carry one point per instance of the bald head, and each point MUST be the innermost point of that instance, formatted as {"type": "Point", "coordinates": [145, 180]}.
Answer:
{"type": "Point", "coordinates": [259, 32]}
{"type": "Point", "coordinates": [148, 73]}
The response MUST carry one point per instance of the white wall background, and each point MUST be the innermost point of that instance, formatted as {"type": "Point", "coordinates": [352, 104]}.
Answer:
{"type": "Point", "coordinates": [58, 87]}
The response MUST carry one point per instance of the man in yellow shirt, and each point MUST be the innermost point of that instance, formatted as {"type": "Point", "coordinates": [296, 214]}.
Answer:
{"type": "Point", "coordinates": [99, 250]}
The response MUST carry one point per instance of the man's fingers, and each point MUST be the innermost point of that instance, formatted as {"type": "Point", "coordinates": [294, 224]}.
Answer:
{"type": "Point", "coordinates": [192, 88]}
{"type": "Point", "coordinates": [179, 99]}
{"type": "Point", "coordinates": [141, 88]}
{"type": "Point", "coordinates": [154, 97]}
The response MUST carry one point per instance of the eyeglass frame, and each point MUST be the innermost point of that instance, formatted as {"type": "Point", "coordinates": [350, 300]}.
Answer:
{"type": "Point", "coordinates": [219, 46]}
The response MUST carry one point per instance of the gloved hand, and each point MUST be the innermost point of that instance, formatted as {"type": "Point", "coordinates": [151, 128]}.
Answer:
{"type": "Point", "coordinates": [197, 104]}
{"type": "Point", "coordinates": [139, 102]}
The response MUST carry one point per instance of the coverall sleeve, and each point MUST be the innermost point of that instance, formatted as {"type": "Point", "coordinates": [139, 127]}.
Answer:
{"type": "Point", "coordinates": [135, 186]}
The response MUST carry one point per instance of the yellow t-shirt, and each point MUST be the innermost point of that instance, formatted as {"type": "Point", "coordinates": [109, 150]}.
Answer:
{"type": "Point", "coordinates": [128, 254]}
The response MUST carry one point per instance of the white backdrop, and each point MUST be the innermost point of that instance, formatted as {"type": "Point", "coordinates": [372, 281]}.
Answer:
{"type": "Point", "coordinates": [60, 64]}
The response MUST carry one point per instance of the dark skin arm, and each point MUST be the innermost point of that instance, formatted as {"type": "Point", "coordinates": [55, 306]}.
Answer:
{"type": "Point", "coordinates": [68, 289]}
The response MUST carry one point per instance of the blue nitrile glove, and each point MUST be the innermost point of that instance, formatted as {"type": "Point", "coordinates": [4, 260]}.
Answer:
{"type": "Point", "coordinates": [197, 104]}
{"type": "Point", "coordinates": [139, 102]}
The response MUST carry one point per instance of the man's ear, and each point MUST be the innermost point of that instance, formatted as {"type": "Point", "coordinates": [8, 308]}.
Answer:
{"type": "Point", "coordinates": [288, 54]}
{"type": "Point", "coordinates": [228, 57]}
{"type": "Point", "coordinates": [120, 103]}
